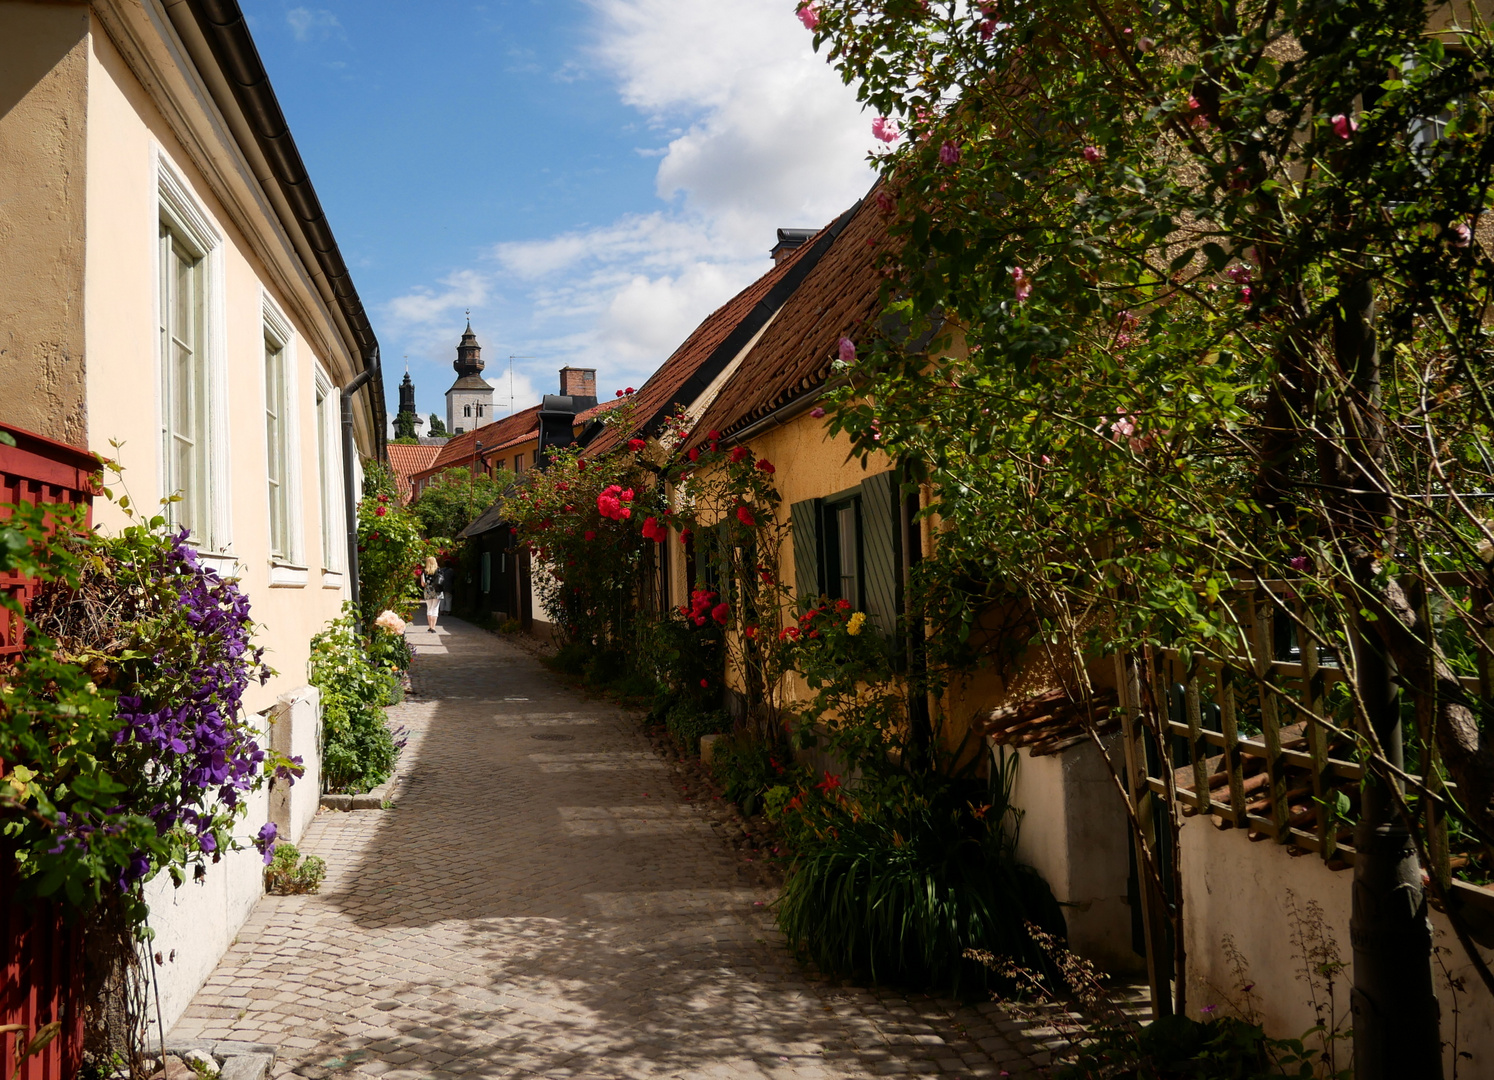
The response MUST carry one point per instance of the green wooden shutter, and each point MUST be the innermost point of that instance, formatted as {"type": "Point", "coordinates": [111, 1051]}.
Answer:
{"type": "Point", "coordinates": [804, 520]}
{"type": "Point", "coordinates": [881, 551]}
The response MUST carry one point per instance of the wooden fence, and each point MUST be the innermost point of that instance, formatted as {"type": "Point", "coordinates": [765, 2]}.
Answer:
{"type": "Point", "coordinates": [1253, 744]}
{"type": "Point", "coordinates": [41, 950]}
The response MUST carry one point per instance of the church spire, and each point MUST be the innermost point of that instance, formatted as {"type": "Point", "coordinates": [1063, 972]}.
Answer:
{"type": "Point", "coordinates": [469, 353]}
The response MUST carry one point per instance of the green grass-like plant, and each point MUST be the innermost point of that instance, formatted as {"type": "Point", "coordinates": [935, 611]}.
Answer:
{"type": "Point", "coordinates": [895, 879]}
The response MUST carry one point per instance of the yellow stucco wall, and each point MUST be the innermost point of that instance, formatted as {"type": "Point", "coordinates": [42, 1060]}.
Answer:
{"type": "Point", "coordinates": [43, 122]}
{"type": "Point", "coordinates": [127, 131]}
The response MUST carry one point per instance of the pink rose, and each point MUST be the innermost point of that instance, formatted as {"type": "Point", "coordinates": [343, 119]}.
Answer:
{"type": "Point", "coordinates": [809, 15]}
{"type": "Point", "coordinates": [1344, 126]}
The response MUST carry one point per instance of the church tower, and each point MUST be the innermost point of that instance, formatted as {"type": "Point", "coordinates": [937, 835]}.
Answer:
{"type": "Point", "coordinates": [469, 402]}
{"type": "Point", "coordinates": [407, 422]}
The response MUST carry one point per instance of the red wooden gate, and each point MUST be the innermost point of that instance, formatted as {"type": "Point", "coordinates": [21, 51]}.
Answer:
{"type": "Point", "coordinates": [41, 951]}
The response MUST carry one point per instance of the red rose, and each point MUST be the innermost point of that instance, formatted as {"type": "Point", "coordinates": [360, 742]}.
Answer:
{"type": "Point", "coordinates": [380, 511]}
{"type": "Point", "coordinates": [766, 466]}
{"type": "Point", "coordinates": [694, 453]}
{"type": "Point", "coordinates": [740, 454]}
{"type": "Point", "coordinates": [713, 435]}
{"type": "Point", "coordinates": [720, 613]}
{"type": "Point", "coordinates": [636, 445]}
{"type": "Point", "coordinates": [744, 515]}
{"type": "Point", "coordinates": [705, 684]}
{"type": "Point", "coordinates": [590, 535]}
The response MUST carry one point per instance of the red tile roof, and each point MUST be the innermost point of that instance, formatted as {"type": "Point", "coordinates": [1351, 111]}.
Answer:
{"type": "Point", "coordinates": [682, 378]}
{"type": "Point", "coordinates": [840, 297]}
{"type": "Point", "coordinates": [408, 460]}
{"type": "Point", "coordinates": [460, 449]}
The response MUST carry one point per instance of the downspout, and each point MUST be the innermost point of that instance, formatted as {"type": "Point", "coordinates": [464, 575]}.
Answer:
{"type": "Point", "coordinates": [349, 452]}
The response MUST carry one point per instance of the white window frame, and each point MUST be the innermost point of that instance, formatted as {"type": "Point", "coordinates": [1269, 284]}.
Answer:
{"type": "Point", "coordinates": [329, 479]}
{"type": "Point", "coordinates": [288, 567]}
{"type": "Point", "coordinates": [180, 211]}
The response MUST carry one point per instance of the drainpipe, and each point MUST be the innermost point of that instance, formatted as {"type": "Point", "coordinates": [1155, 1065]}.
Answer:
{"type": "Point", "coordinates": [349, 451]}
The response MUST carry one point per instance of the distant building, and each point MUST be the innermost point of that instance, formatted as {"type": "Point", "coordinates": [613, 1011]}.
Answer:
{"type": "Point", "coordinates": [469, 402]}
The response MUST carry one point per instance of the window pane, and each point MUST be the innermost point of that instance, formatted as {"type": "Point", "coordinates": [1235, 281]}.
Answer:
{"type": "Point", "coordinates": [277, 434]}
{"type": "Point", "coordinates": [845, 521]}
{"type": "Point", "coordinates": [184, 393]}
{"type": "Point", "coordinates": [323, 469]}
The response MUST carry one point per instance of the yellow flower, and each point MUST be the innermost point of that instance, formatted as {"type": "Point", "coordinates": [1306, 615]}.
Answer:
{"type": "Point", "coordinates": [858, 619]}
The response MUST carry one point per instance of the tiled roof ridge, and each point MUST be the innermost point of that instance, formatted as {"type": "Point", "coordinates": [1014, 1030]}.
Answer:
{"type": "Point", "coordinates": [463, 445]}
{"type": "Point", "coordinates": [780, 369]}
{"type": "Point", "coordinates": [776, 285]}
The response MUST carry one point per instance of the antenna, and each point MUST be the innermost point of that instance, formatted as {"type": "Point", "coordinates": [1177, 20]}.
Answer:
{"type": "Point", "coordinates": [511, 360]}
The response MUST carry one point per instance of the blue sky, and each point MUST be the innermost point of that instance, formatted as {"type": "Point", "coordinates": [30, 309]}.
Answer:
{"type": "Point", "coordinates": [590, 177]}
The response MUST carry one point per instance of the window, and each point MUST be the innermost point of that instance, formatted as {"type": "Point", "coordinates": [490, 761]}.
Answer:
{"type": "Point", "coordinates": [466, 410]}
{"type": "Point", "coordinates": [479, 411]}
{"type": "Point", "coordinates": [184, 367]}
{"type": "Point", "coordinates": [191, 408]}
{"type": "Point", "coordinates": [277, 446]}
{"type": "Point", "coordinates": [518, 464]}
{"type": "Point", "coordinates": [327, 461]}
{"type": "Point", "coordinates": [843, 551]}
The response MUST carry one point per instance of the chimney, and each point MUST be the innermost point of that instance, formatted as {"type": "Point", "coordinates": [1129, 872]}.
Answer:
{"type": "Point", "coordinates": [788, 241]}
{"type": "Point", "coordinates": [580, 385]}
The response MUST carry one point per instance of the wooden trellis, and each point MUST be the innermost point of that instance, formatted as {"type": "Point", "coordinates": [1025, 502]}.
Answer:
{"type": "Point", "coordinates": [1251, 744]}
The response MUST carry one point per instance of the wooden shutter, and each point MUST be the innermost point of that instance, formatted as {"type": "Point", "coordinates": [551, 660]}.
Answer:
{"type": "Point", "coordinates": [881, 551]}
{"type": "Point", "coordinates": [804, 521]}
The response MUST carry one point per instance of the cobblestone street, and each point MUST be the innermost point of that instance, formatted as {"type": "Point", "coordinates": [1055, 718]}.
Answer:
{"type": "Point", "coordinates": [541, 902]}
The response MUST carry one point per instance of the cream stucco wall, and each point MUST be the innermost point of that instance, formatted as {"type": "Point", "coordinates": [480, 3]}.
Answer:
{"type": "Point", "coordinates": [131, 135]}
{"type": "Point", "coordinates": [124, 380]}
{"type": "Point", "coordinates": [43, 122]}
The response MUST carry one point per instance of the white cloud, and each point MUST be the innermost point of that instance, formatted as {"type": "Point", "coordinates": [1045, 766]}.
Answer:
{"type": "Point", "coordinates": [753, 131]}
{"type": "Point", "coordinates": [421, 305]}
{"type": "Point", "coordinates": [308, 23]}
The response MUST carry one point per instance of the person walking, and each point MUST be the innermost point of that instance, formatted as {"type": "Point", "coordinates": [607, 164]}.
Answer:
{"type": "Point", "coordinates": [433, 580]}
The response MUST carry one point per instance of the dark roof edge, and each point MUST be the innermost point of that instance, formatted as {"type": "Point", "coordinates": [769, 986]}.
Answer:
{"type": "Point", "coordinates": [223, 26]}
{"type": "Point", "coordinates": [753, 321]}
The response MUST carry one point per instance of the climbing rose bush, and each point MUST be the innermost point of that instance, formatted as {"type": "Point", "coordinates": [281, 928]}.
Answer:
{"type": "Point", "coordinates": [588, 523]}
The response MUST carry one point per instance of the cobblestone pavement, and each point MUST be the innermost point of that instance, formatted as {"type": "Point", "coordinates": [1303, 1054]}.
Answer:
{"type": "Point", "coordinates": [541, 902]}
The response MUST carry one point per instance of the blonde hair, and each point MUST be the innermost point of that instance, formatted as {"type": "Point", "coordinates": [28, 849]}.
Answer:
{"type": "Point", "coordinates": [430, 564]}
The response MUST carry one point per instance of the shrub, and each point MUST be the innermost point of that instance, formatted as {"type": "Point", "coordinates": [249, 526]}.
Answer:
{"type": "Point", "coordinates": [122, 734]}
{"type": "Point", "coordinates": [896, 879]}
{"type": "Point", "coordinates": [390, 552]}
{"type": "Point", "coordinates": [687, 723]}
{"type": "Point", "coordinates": [747, 769]}
{"type": "Point", "coordinates": [358, 749]}
{"type": "Point", "coordinates": [289, 872]}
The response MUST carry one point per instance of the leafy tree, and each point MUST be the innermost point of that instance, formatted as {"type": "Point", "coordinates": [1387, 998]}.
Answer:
{"type": "Point", "coordinates": [438, 428]}
{"type": "Point", "coordinates": [404, 425]}
{"type": "Point", "coordinates": [454, 499]}
{"type": "Point", "coordinates": [1211, 291]}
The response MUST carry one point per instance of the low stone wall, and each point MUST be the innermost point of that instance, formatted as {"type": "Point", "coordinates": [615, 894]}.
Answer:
{"type": "Point", "coordinates": [1259, 894]}
{"type": "Point", "coordinates": [1073, 832]}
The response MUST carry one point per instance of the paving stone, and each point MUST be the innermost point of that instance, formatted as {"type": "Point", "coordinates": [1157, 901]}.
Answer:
{"type": "Point", "coordinates": [550, 909]}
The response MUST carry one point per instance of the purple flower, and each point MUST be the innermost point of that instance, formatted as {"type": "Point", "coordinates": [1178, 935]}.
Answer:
{"type": "Point", "coordinates": [1092, 153]}
{"type": "Point", "coordinates": [1298, 562]}
{"type": "Point", "coordinates": [208, 842]}
{"type": "Point", "coordinates": [265, 841]}
{"type": "Point", "coordinates": [847, 349]}
{"type": "Point", "coordinates": [949, 153]}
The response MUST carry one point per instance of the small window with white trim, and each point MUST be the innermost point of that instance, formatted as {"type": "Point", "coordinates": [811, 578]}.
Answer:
{"type": "Point", "coordinates": [277, 446]}
{"type": "Point", "coordinates": [185, 412]}
{"type": "Point", "coordinates": [191, 358]}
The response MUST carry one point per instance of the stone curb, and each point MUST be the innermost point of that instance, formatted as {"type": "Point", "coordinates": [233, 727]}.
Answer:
{"type": "Point", "coordinates": [241, 1060]}
{"type": "Point", "coordinates": [373, 800]}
